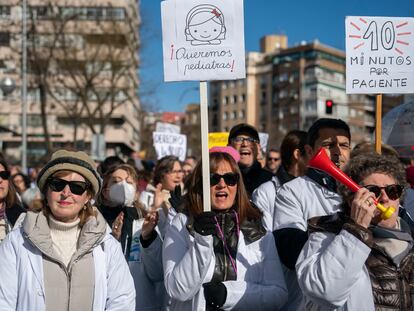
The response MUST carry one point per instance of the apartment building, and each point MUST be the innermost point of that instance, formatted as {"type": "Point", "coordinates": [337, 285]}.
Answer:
{"type": "Point", "coordinates": [286, 88]}
{"type": "Point", "coordinates": [81, 71]}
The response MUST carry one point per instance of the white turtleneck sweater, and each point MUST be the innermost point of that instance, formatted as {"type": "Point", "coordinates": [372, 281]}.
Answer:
{"type": "Point", "coordinates": [64, 238]}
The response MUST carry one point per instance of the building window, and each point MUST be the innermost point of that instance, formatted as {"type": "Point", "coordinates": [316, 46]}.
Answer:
{"type": "Point", "coordinates": [4, 39]}
{"type": "Point", "coordinates": [242, 114]}
{"type": "Point", "coordinates": [34, 120]}
{"type": "Point", "coordinates": [225, 116]}
{"type": "Point", "coordinates": [4, 12]}
{"type": "Point", "coordinates": [233, 115]}
{"type": "Point", "coordinates": [40, 12]}
{"type": "Point", "coordinates": [225, 100]}
{"type": "Point", "coordinates": [234, 99]}
{"type": "Point", "coordinates": [94, 13]}
{"type": "Point", "coordinates": [116, 14]}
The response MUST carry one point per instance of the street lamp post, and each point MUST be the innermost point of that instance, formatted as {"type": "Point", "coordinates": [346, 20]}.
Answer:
{"type": "Point", "coordinates": [24, 86]}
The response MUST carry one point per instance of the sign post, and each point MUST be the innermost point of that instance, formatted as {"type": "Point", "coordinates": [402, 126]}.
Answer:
{"type": "Point", "coordinates": [203, 41]}
{"type": "Point", "coordinates": [378, 123]}
{"type": "Point", "coordinates": [204, 145]}
{"type": "Point", "coordinates": [379, 59]}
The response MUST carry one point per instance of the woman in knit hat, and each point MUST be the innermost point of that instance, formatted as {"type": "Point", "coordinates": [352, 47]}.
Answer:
{"type": "Point", "coordinates": [63, 256]}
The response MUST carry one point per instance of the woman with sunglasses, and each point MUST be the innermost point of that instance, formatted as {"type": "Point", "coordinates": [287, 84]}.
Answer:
{"type": "Point", "coordinates": [11, 209]}
{"type": "Point", "coordinates": [355, 260]}
{"type": "Point", "coordinates": [63, 257]}
{"type": "Point", "coordinates": [222, 259]}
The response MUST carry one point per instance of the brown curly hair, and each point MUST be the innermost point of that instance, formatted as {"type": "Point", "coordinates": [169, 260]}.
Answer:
{"type": "Point", "coordinates": [365, 164]}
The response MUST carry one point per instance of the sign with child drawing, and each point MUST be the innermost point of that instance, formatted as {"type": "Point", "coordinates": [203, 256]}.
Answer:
{"type": "Point", "coordinates": [203, 40]}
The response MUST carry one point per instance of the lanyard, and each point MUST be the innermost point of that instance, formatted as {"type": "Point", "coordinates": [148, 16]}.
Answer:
{"type": "Point", "coordinates": [222, 237]}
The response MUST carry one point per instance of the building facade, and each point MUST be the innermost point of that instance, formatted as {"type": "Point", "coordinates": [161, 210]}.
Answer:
{"type": "Point", "coordinates": [287, 88]}
{"type": "Point", "coordinates": [81, 74]}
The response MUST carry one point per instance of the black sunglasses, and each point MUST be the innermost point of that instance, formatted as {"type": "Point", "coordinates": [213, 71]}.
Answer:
{"type": "Point", "coordinates": [394, 192]}
{"type": "Point", "coordinates": [76, 187]}
{"type": "Point", "coordinates": [5, 175]}
{"type": "Point", "coordinates": [230, 179]}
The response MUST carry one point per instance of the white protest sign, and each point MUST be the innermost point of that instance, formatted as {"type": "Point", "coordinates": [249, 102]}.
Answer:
{"type": "Point", "coordinates": [203, 40]}
{"type": "Point", "coordinates": [264, 139]}
{"type": "Point", "coordinates": [379, 55]}
{"type": "Point", "coordinates": [170, 144]}
{"type": "Point", "coordinates": [167, 128]}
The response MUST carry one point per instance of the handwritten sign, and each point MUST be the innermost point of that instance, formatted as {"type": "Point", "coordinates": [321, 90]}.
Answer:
{"type": "Point", "coordinates": [379, 55]}
{"type": "Point", "coordinates": [218, 139]}
{"type": "Point", "coordinates": [170, 144]}
{"type": "Point", "coordinates": [167, 128]}
{"type": "Point", "coordinates": [203, 40]}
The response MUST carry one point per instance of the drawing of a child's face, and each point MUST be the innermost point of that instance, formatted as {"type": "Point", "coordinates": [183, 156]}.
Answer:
{"type": "Point", "coordinates": [207, 31]}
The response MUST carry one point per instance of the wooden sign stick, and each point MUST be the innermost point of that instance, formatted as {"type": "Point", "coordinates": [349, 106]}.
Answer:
{"type": "Point", "coordinates": [378, 124]}
{"type": "Point", "coordinates": [204, 146]}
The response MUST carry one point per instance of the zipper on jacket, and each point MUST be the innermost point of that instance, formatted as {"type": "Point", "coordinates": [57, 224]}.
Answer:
{"type": "Point", "coordinates": [400, 284]}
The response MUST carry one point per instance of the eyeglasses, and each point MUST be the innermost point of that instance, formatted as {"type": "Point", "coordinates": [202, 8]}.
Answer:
{"type": "Point", "coordinates": [5, 175]}
{"type": "Point", "coordinates": [240, 140]}
{"type": "Point", "coordinates": [76, 187]}
{"type": "Point", "coordinates": [273, 159]}
{"type": "Point", "coordinates": [230, 179]}
{"type": "Point", "coordinates": [394, 192]}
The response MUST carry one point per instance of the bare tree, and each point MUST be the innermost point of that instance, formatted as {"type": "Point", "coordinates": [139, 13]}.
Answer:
{"type": "Point", "coordinates": [88, 73]}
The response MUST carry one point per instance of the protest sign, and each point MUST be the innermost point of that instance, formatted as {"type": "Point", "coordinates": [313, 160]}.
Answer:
{"type": "Point", "coordinates": [167, 128]}
{"type": "Point", "coordinates": [379, 55]}
{"type": "Point", "coordinates": [217, 139]}
{"type": "Point", "coordinates": [264, 140]}
{"type": "Point", "coordinates": [170, 144]}
{"type": "Point", "coordinates": [203, 40]}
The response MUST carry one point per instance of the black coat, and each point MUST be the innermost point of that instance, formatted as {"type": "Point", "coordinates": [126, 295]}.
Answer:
{"type": "Point", "coordinates": [254, 176]}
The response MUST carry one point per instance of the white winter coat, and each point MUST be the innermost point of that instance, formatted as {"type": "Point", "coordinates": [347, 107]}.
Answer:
{"type": "Point", "coordinates": [297, 201]}
{"type": "Point", "coordinates": [189, 262]}
{"type": "Point", "coordinates": [332, 274]}
{"type": "Point", "coordinates": [22, 284]}
{"type": "Point", "coordinates": [264, 198]}
{"type": "Point", "coordinates": [146, 271]}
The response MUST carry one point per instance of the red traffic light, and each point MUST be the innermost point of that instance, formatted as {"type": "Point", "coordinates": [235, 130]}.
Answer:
{"type": "Point", "coordinates": [328, 106]}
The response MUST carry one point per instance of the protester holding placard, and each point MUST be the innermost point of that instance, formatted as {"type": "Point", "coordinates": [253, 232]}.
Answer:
{"type": "Point", "coordinates": [221, 259]}
{"type": "Point", "coordinates": [245, 139]}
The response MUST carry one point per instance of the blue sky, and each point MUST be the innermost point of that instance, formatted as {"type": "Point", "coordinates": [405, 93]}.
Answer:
{"type": "Point", "coordinates": [298, 19]}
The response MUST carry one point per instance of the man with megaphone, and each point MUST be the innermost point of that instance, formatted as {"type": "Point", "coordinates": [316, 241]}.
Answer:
{"type": "Point", "coordinates": [308, 196]}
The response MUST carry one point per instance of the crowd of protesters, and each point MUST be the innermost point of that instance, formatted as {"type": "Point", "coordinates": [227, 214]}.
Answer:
{"type": "Point", "coordinates": [133, 235]}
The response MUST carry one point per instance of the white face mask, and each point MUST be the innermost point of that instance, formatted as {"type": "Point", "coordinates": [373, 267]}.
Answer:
{"type": "Point", "coordinates": [122, 193]}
